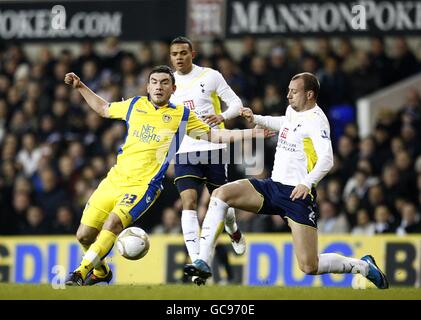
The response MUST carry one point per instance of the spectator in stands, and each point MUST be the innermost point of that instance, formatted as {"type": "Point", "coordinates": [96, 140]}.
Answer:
{"type": "Point", "coordinates": [51, 196]}
{"type": "Point", "coordinates": [380, 61]}
{"type": "Point", "coordinates": [334, 191]}
{"type": "Point", "coordinates": [358, 184]}
{"type": "Point", "coordinates": [249, 51]}
{"type": "Point", "coordinates": [64, 222]}
{"type": "Point", "coordinates": [411, 140]}
{"type": "Point", "coordinates": [30, 154]}
{"type": "Point", "coordinates": [363, 79]}
{"type": "Point", "coordinates": [347, 55]}
{"type": "Point", "coordinates": [384, 222]}
{"type": "Point", "coordinates": [20, 206]}
{"type": "Point", "coordinates": [407, 177]}
{"type": "Point", "coordinates": [330, 220]}
{"type": "Point", "coordinates": [258, 77]}
{"type": "Point", "coordinates": [170, 223]}
{"type": "Point", "coordinates": [87, 53]}
{"type": "Point", "coordinates": [352, 203]}
{"type": "Point", "coordinates": [410, 112]}
{"type": "Point", "coordinates": [375, 197]}
{"type": "Point", "coordinates": [390, 184]}
{"type": "Point", "coordinates": [404, 62]}
{"type": "Point", "coordinates": [333, 84]}
{"type": "Point", "coordinates": [279, 70]}
{"type": "Point", "coordinates": [410, 220]}
{"type": "Point", "coordinates": [364, 224]}
{"type": "Point", "coordinates": [348, 156]}
{"type": "Point", "coordinates": [36, 223]}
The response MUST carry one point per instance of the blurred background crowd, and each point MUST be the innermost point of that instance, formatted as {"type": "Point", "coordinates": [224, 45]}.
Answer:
{"type": "Point", "coordinates": [54, 150]}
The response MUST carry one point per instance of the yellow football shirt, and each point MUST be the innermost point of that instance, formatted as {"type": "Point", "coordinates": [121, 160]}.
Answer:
{"type": "Point", "coordinates": [153, 138]}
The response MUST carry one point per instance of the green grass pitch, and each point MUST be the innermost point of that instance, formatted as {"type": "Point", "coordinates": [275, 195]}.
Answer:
{"type": "Point", "coordinates": [191, 292]}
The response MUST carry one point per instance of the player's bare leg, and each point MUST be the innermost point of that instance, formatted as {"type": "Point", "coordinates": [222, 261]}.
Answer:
{"type": "Point", "coordinates": [305, 239]}
{"type": "Point", "coordinates": [87, 235]}
{"type": "Point", "coordinates": [239, 194]}
{"type": "Point", "coordinates": [98, 250]}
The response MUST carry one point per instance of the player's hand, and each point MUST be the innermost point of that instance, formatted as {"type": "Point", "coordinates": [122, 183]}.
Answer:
{"type": "Point", "coordinates": [299, 192]}
{"type": "Point", "coordinates": [213, 119]}
{"type": "Point", "coordinates": [247, 113]}
{"type": "Point", "coordinates": [267, 133]}
{"type": "Point", "coordinates": [73, 80]}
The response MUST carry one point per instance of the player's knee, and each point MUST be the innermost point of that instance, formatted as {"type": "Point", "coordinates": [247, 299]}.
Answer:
{"type": "Point", "coordinates": [85, 238]}
{"type": "Point", "coordinates": [309, 268]}
{"type": "Point", "coordinates": [189, 203]}
{"type": "Point", "coordinates": [220, 194]}
{"type": "Point", "coordinates": [189, 199]}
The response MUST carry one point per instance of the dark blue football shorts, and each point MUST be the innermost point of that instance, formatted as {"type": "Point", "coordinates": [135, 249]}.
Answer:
{"type": "Point", "coordinates": [194, 169]}
{"type": "Point", "coordinates": [277, 201]}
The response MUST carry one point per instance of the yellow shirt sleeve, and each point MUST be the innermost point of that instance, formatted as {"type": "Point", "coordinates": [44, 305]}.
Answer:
{"type": "Point", "coordinates": [118, 110]}
{"type": "Point", "coordinates": [196, 127]}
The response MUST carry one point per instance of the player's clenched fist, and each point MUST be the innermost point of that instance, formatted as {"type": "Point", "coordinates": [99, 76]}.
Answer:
{"type": "Point", "coordinates": [247, 114]}
{"type": "Point", "coordinates": [72, 80]}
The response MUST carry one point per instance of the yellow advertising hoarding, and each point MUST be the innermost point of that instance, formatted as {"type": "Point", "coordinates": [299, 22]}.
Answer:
{"type": "Point", "coordinates": [269, 260]}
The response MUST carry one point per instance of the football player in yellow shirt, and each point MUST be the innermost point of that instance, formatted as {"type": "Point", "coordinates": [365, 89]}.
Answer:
{"type": "Point", "coordinates": [155, 130]}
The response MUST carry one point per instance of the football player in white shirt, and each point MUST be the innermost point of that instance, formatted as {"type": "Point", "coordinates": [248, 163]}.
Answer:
{"type": "Point", "coordinates": [199, 89]}
{"type": "Point", "coordinates": [303, 157]}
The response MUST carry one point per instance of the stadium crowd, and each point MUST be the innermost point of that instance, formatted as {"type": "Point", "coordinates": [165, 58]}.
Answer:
{"type": "Point", "coordinates": [54, 150]}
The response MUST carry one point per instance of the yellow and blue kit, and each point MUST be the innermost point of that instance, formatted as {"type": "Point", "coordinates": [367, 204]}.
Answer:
{"type": "Point", "coordinates": [153, 137]}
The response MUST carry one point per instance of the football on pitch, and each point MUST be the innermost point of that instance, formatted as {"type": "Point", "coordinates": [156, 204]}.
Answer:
{"type": "Point", "coordinates": [133, 243]}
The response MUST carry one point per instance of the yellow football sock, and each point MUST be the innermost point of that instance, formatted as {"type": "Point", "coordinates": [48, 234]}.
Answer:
{"type": "Point", "coordinates": [97, 251]}
{"type": "Point", "coordinates": [103, 269]}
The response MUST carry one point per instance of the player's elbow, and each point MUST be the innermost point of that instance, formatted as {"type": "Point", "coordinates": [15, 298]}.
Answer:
{"type": "Point", "coordinates": [330, 163]}
{"type": "Point", "coordinates": [327, 161]}
{"type": "Point", "coordinates": [103, 111]}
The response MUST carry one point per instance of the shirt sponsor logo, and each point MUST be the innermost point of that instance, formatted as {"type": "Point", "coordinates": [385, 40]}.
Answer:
{"type": "Point", "coordinates": [284, 133]}
{"type": "Point", "coordinates": [147, 134]}
{"type": "Point", "coordinates": [189, 104]}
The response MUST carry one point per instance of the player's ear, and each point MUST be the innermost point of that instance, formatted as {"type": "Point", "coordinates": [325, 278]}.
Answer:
{"type": "Point", "coordinates": [310, 95]}
{"type": "Point", "coordinates": [193, 54]}
{"type": "Point", "coordinates": [174, 87]}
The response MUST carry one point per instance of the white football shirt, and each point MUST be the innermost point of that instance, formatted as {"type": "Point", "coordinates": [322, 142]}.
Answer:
{"type": "Point", "coordinates": [304, 151]}
{"type": "Point", "coordinates": [199, 91]}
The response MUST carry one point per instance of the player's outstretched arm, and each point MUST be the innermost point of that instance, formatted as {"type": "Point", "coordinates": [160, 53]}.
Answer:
{"type": "Point", "coordinates": [98, 104]}
{"type": "Point", "coordinates": [269, 122]}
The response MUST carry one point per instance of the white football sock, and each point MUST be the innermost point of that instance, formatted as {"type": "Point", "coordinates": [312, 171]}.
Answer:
{"type": "Point", "coordinates": [230, 223]}
{"type": "Point", "coordinates": [335, 263]}
{"type": "Point", "coordinates": [191, 231]}
{"type": "Point", "coordinates": [212, 227]}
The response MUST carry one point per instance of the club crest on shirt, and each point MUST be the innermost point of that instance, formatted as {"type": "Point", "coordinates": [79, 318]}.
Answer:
{"type": "Point", "coordinates": [325, 135]}
{"type": "Point", "coordinates": [166, 118]}
{"type": "Point", "coordinates": [202, 85]}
